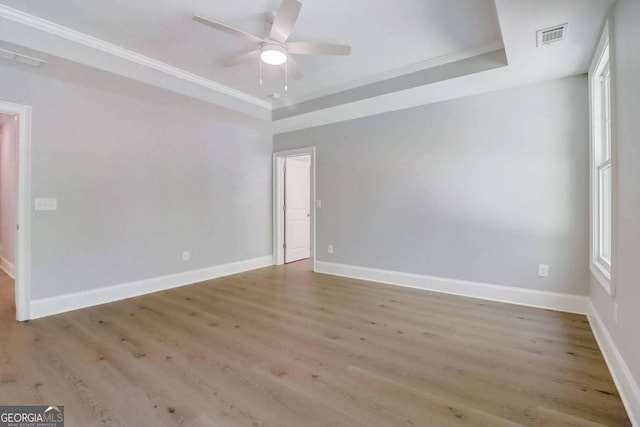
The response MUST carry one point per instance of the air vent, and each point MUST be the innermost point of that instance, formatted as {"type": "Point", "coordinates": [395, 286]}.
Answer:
{"type": "Point", "coordinates": [552, 35]}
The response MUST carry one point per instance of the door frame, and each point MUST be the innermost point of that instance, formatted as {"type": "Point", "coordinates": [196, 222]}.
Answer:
{"type": "Point", "coordinates": [22, 268]}
{"type": "Point", "coordinates": [278, 202]}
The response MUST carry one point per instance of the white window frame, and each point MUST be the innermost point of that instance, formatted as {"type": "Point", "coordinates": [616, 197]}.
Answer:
{"type": "Point", "coordinates": [602, 149]}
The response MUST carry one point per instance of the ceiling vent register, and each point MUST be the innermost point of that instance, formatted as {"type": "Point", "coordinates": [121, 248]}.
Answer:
{"type": "Point", "coordinates": [551, 35]}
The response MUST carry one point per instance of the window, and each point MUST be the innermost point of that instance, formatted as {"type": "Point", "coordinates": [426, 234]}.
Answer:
{"type": "Point", "coordinates": [601, 163]}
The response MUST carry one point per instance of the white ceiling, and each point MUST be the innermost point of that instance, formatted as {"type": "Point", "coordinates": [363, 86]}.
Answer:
{"type": "Point", "coordinates": [385, 34]}
{"type": "Point", "coordinates": [155, 41]}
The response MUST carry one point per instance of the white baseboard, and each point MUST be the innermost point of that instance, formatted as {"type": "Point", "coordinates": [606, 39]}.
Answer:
{"type": "Point", "coordinates": [7, 267]}
{"type": "Point", "coordinates": [541, 299]}
{"type": "Point", "coordinates": [63, 303]}
{"type": "Point", "coordinates": [627, 387]}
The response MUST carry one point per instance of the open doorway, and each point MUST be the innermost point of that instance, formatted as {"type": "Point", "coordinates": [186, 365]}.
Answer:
{"type": "Point", "coordinates": [8, 190]}
{"type": "Point", "coordinates": [294, 206]}
{"type": "Point", "coordinates": [8, 211]}
{"type": "Point", "coordinates": [15, 142]}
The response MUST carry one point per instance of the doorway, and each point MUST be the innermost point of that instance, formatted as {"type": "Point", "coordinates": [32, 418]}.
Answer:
{"type": "Point", "coordinates": [15, 144]}
{"type": "Point", "coordinates": [294, 206]}
{"type": "Point", "coordinates": [8, 189]}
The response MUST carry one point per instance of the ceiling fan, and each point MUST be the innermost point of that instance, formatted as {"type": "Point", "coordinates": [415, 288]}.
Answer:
{"type": "Point", "coordinates": [275, 49]}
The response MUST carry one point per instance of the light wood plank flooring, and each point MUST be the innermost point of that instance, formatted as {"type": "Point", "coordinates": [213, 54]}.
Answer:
{"type": "Point", "coordinates": [282, 346]}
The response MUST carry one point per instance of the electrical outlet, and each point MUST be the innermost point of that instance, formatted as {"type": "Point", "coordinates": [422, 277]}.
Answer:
{"type": "Point", "coordinates": [185, 256]}
{"type": "Point", "coordinates": [330, 249]}
{"type": "Point", "coordinates": [615, 312]}
{"type": "Point", "coordinates": [543, 270]}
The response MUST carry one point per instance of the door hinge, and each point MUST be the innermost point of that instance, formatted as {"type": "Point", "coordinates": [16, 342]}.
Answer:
{"type": "Point", "coordinates": [284, 246]}
{"type": "Point", "coordinates": [17, 226]}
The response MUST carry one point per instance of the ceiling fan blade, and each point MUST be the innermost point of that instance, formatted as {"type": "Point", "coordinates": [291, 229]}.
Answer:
{"type": "Point", "coordinates": [227, 29]}
{"type": "Point", "coordinates": [306, 48]}
{"type": "Point", "coordinates": [293, 69]}
{"type": "Point", "coordinates": [237, 59]}
{"type": "Point", "coordinates": [284, 20]}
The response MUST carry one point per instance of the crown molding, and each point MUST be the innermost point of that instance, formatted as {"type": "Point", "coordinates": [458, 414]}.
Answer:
{"type": "Point", "coordinates": [63, 32]}
{"type": "Point", "coordinates": [386, 75]}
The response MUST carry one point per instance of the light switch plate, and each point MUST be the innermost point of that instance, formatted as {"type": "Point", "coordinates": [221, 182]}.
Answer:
{"type": "Point", "coordinates": [46, 204]}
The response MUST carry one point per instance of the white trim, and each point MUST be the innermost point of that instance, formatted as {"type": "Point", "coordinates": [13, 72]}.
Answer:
{"type": "Point", "coordinates": [278, 211]}
{"type": "Point", "coordinates": [52, 28]}
{"type": "Point", "coordinates": [278, 219]}
{"type": "Point", "coordinates": [529, 297]}
{"type": "Point", "coordinates": [627, 386]}
{"type": "Point", "coordinates": [601, 278]}
{"type": "Point", "coordinates": [63, 303]}
{"type": "Point", "coordinates": [604, 275]}
{"type": "Point", "coordinates": [7, 267]}
{"type": "Point", "coordinates": [401, 71]}
{"type": "Point", "coordinates": [22, 269]}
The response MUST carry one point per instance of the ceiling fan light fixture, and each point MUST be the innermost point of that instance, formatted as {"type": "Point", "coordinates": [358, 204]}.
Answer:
{"type": "Point", "coordinates": [273, 54]}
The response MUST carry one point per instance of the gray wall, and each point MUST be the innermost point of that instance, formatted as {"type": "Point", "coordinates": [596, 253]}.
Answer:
{"type": "Point", "coordinates": [8, 189]}
{"type": "Point", "coordinates": [138, 180]}
{"type": "Point", "coordinates": [626, 238]}
{"type": "Point", "coordinates": [483, 188]}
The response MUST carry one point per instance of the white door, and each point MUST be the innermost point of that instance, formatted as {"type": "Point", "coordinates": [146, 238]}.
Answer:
{"type": "Point", "coordinates": [297, 220]}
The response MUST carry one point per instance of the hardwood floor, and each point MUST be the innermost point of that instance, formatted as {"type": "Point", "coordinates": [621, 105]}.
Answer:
{"type": "Point", "coordinates": [282, 346]}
